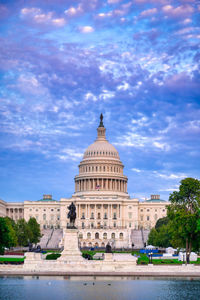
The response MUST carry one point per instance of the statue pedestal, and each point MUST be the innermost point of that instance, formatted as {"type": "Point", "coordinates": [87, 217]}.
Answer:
{"type": "Point", "coordinates": [71, 252]}
{"type": "Point", "coordinates": [108, 257]}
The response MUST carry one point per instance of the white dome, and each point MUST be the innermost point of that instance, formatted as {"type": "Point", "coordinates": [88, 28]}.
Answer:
{"type": "Point", "coordinates": [101, 149]}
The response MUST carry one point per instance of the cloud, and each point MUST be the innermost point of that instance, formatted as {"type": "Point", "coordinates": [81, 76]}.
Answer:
{"type": "Point", "coordinates": [181, 11]}
{"type": "Point", "coordinates": [89, 96]}
{"type": "Point", "coordinates": [86, 29]}
{"type": "Point", "coordinates": [37, 16]}
{"type": "Point", "coordinates": [170, 176]}
{"type": "Point", "coordinates": [136, 170]}
{"type": "Point", "coordinates": [70, 154]}
{"type": "Point", "coordinates": [149, 12]}
{"type": "Point", "coordinates": [74, 11]}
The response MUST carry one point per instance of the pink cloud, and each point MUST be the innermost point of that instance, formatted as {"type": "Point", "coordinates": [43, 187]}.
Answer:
{"type": "Point", "coordinates": [74, 11]}
{"type": "Point", "coordinates": [148, 12]}
{"type": "Point", "coordinates": [181, 11]}
{"type": "Point", "coordinates": [36, 16]}
{"type": "Point", "coordinates": [86, 29]}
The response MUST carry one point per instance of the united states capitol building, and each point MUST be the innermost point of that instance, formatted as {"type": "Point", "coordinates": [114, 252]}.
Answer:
{"type": "Point", "coordinates": [105, 211]}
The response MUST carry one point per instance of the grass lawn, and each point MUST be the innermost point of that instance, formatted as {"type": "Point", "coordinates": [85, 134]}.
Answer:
{"type": "Point", "coordinates": [11, 259]}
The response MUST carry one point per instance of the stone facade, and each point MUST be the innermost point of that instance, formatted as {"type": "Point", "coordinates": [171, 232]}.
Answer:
{"type": "Point", "coordinates": [105, 211]}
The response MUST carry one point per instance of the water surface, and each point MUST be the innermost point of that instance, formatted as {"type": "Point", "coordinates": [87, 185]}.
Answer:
{"type": "Point", "coordinates": [99, 288]}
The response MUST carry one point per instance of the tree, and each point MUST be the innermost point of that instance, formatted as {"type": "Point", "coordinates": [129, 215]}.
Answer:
{"type": "Point", "coordinates": [34, 228]}
{"type": "Point", "coordinates": [160, 235]}
{"type": "Point", "coordinates": [7, 234]}
{"type": "Point", "coordinates": [23, 232]}
{"type": "Point", "coordinates": [183, 213]}
{"type": "Point", "coordinates": [4, 235]}
{"type": "Point", "coordinates": [153, 237]}
{"type": "Point", "coordinates": [161, 221]}
{"type": "Point", "coordinates": [12, 232]}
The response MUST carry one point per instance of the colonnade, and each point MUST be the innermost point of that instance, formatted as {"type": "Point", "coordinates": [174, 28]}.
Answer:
{"type": "Point", "coordinates": [104, 184]}
{"type": "Point", "coordinates": [15, 213]}
{"type": "Point", "coordinates": [99, 215]}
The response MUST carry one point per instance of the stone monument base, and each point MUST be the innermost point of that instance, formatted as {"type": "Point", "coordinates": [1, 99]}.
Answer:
{"type": "Point", "coordinates": [71, 252]}
{"type": "Point", "coordinates": [108, 257]}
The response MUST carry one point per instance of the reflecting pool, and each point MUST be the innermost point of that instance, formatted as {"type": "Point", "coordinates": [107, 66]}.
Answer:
{"type": "Point", "coordinates": [99, 288]}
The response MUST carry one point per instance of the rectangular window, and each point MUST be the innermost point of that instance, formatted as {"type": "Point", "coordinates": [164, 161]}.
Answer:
{"type": "Point", "coordinates": [148, 218]}
{"type": "Point", "coordinates": [130, 215]}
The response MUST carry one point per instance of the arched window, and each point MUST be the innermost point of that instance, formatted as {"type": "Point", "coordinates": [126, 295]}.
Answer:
{"type": "Point", "coordinates": [105, 215]}
{"type": "Point", "coordinates": [121, 236]}
{"type": "Point", "coordinates": [88, 235]}
{"type": "Point", "coordinates": [113, 235]}
{"type": "Point", "coordinates": [92, 215]}
{"type": "Point", "coordinates": [96, 235]}
{"type": "Point", "coordinates": [105, 236]}
{"type": "Point", "coordinates": [103, 245]}
{"type": "Point", "coordinates": [99, 216]}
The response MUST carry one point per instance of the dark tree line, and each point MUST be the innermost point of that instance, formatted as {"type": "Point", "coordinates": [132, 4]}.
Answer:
{"type": "Point", "coordinates": [19, 233]}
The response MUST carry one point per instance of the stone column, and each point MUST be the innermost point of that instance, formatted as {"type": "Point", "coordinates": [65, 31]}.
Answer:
{"type": "Point", "coordinates": [95, 213]}
{"type": "Point", "coordinates": [89, 184]}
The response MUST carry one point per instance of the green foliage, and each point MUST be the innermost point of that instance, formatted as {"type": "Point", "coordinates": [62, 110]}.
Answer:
{"type": "Point", "coordinates": [183, 213]}
{"type": "Point", "coordinates": [160, 235]}
{"type": "Point", "coordinates": [34, 229]}
{"type": "Point", "coordinates": [161, 221]}
{"type": "Point", "coordinates": [53, 256]}
{"type": "Point", "coordinates": [23, 232]}
{"type": "Point", "coordinates": [11, 232]}
{"type": "Point", "coordinates": [142, 259]}
{"type": "Point", "coordinates": [4, 235]}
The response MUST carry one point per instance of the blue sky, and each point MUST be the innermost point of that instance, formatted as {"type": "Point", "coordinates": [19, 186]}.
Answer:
{"type": "Point", "coordinates": [62, 63]}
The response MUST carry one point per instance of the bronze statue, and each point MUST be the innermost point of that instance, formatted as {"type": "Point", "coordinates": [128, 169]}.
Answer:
{"type": "Point", "coordinates": [101, 121]}
{"type": "Point", "coordinates": [71, 215]}
{"type": "Point", "coordinates": [108, 248]}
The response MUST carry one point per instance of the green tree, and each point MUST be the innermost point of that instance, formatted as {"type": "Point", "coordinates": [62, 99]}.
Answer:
{"type": "Point", "coordinates": [183, 213]}
{"type": "Point", "coordinates": [12, 232]}
{"type": "Point", "coordinates": [161, 221]}
{"type": "Point", "coordinates": [153, 237]}
{"type": "Point", "coordinates": [160, 235]}
{"type": "Point", "coordinates": [34, 228]}
{"type": "Point", "coordinates": [23, 232]}
{"type": "Point", "coordinates": [4, 235]}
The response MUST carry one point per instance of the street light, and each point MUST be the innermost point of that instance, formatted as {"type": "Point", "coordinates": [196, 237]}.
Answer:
{"type": "Point", "coordinates": [150, 257]}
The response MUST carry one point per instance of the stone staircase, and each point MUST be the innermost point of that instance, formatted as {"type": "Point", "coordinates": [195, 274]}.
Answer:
{"type": "Point", "coordinates": [55, 239]}
{"type": "Point", "coordinates": [46, 235]}
{"type": "Point", "coordinates": [139, 237]}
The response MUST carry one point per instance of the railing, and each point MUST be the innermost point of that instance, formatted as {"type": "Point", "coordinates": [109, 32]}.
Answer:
{"type": "Point", "coordinates": [103, 227]}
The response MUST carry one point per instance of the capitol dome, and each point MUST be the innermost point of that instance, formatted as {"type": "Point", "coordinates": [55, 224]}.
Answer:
{"type": "Point", "coordinates": [101, 148]}
{"type": "Point", "coordinates": [101, 169]}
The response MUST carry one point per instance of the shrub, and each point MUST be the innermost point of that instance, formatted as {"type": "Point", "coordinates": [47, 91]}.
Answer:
{"type": "Point", "coordinates": [53, 256]}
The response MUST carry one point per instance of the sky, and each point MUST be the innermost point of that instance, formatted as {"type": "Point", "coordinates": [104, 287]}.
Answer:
{"type": "Point", "coordinates": [62, 63]}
